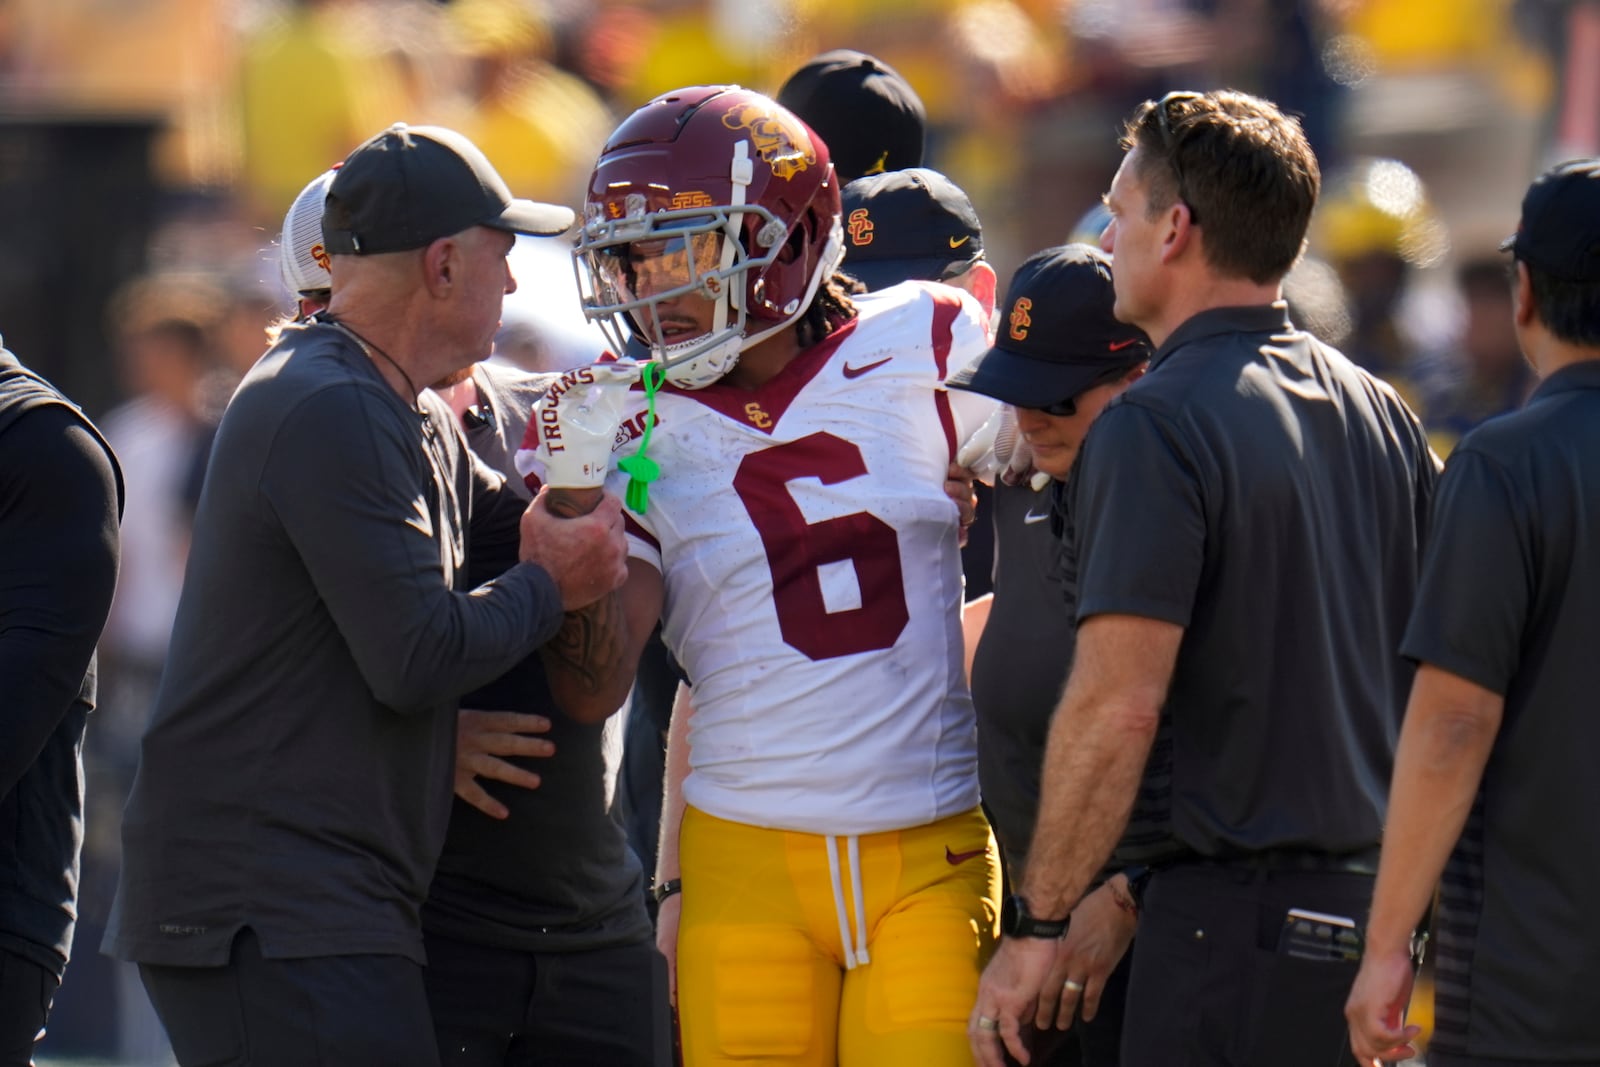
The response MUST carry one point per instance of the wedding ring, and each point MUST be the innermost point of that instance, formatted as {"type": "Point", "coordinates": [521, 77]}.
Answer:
{"type": "Point", "coordinates": [986, 1023]}
{"type": "Point", "coordinates": [1071, 986]}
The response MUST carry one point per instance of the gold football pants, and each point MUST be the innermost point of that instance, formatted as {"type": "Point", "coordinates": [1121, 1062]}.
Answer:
{"type": "Point", "coordinates": [805, 949]}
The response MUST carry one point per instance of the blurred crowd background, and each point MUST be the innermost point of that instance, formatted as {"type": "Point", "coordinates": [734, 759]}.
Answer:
{"type": "Point", "coordinates": [148, 150]}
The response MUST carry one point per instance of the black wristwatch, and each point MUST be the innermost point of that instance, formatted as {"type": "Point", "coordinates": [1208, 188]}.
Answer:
{"type": "Point", "coordinates": [1138, 878]}
{"type": "Point", "coordinates": [1015, 921]}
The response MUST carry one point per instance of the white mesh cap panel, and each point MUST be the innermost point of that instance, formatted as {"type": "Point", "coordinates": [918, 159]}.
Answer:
{"type": "Point", "coordinates": [302, 261]}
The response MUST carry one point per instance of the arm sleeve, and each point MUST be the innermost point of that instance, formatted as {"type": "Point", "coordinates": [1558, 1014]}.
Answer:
{"type": "Point", "coordinates": [351, 487]}
{"type": "Point", "coordinates": [494, 539]}
{"type": "Point", "coordinates": [1135, 503]}
{"type": "Point", "coordinates": [1477, 577]}
{"type": "Point", "coordinates": [58, 569]}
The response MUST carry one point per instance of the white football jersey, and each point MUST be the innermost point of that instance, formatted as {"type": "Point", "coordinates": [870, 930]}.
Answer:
{"type": "Point", "coordinates": [812, 575]}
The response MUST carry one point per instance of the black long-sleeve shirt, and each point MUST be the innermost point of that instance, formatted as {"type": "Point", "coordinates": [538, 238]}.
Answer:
{"type": "Point", "coordinates": [60, 499]}
{"type": "Point", "coordinates": [296, 774]}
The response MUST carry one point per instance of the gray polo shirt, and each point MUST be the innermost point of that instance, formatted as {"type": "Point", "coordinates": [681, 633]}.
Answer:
{"type": "Point", "coordinates": [1020, 664]}
{"type": "Point", "coordinates": [1510, 600]}
{"type": "Point", "coordinates": [296, 775]}
{"type": "Point", "coordinates": [1261, 491]}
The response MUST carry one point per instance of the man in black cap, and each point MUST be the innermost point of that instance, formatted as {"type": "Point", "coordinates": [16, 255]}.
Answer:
{"type": "Point", "coordinates": [1059, 357]}
{"type": "Point", "coordinates": [1494, 785]}
{"type": "Point", "coordinates": [914, 224]}
{"type": "Point", "coordinates": [868, 115]}
{"type": "Point", "coordinates": [295, 779]}
{"type": "Point", "coordinates": [60, 502]}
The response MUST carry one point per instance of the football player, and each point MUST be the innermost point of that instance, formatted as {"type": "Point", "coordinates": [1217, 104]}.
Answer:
{"type": "Point", "coordinates": [786, 448]}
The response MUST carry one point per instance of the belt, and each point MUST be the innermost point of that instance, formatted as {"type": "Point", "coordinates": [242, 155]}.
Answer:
{"type": "Point", "coordinates": [1297, 859]}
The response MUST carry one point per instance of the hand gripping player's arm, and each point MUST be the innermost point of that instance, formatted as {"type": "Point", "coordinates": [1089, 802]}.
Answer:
{"type": "Point", "coordinates": [591, 662]}
{"type": "Point", "coordinates": [996, 451]}
{"type": "Point", "coordinates": [571, 431]}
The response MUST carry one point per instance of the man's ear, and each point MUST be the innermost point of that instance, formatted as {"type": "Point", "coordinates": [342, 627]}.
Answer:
{"type": "Point", "coordinates": [984, 285]}
{"type": "Point", "coordinates": [1181, 230]}
{"type": "Point", "coordinates": [441, 266]}
{"type": "Point", "coordinates": [1523, 309]}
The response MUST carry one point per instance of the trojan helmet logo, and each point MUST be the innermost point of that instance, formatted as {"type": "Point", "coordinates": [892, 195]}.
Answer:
{"type": "Point", "coordinates": [779, 140]}
{"type": "Point", "coordinates": [1019, 318]}
{"type": "Point", "coordinates": [860, 227]}
{"type": "Point", "coordinates": [320, 254]}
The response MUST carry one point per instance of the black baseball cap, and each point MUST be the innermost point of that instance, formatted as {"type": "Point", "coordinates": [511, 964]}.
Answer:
{"type": "Point", "coordinates": [411, 185]}
{"type": "Point", "coordinates": [1058, 336]}
{"type": "Point", "coordinates": [1559, 234]}
{"type": "Point", "coordinates": [908, 224]}
{"type": "Point", "coordinates": [865, 112]}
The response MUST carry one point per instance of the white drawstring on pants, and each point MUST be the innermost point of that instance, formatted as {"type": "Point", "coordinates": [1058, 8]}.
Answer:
{"type": "Point", "coordinates": [857, 955]}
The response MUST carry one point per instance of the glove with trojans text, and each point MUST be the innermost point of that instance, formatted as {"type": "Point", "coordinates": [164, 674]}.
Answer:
{"type": "Point", "coordinates": [574, 426]}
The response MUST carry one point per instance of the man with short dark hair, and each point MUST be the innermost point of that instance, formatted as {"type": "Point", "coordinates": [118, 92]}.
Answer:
{"type": "Point", "coordinates": [60, 501]}
{"type": "Point", "coordinates": [1238, 616]}
{"type": "Point", "coordinates": [1498, 746]}
{"type": "Point", "coordinates": [294, 782]}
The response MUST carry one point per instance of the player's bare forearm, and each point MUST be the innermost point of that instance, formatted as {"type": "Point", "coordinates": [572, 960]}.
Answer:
{"type": "Point", "coordinates": [571, 503]}
{"type": "Point", "coordinates": [1100, 739]}
{"type": "Point", "coordinates": [586, 662]}
{"type": "Point", "coordinates": [1445, 741]}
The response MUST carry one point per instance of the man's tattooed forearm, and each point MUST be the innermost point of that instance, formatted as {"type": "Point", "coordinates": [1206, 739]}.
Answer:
{"type": "Point", "coordinates": [589, 645]}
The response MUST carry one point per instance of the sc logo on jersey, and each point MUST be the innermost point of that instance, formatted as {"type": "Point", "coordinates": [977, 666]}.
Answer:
{"type": "Point", "coordinates": [783, 147]}
{"type": "Point", "coordinates": [860, 226]}
{"type": "Point", "coordinates": [1020, 320]}
{"type": "Point", "coordinates": [758, 418]}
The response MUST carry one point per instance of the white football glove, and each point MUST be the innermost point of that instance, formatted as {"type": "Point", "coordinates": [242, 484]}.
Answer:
{"type": "Point", "coordinates": [996, 450]}
{"type": "Point", "coordinates": [573, 426]}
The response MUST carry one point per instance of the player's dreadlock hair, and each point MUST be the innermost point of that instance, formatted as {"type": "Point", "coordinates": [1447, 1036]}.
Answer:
{"type": "Point", "coordinates": [830, 309]}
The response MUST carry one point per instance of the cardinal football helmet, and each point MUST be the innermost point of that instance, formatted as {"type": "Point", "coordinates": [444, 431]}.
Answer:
{"type": "Point", "coordinates": [715, 191]}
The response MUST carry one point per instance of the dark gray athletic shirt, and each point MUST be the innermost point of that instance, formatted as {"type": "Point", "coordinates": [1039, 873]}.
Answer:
{"type": "Point", "coordinates": [296, 775]}
{"type": "Point", "coordinates": [1021, 662]}
{"type": "Point", "coordinates": [557, 874]}
{"type": "Point", "coordinates": [1510, 600]}
{"type": "Point", "coordinates": [1261, 491]}
{"type": "Point", "coordinates": [60, 501]}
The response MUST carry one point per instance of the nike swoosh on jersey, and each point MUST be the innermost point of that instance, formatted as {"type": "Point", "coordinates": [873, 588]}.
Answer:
{"type": "Point", "coordinates": [1030, 518]}
{"type": "Point", "coordinates": [856, 372]}
{"type": "Point", "coordinates": [1118, 346]}
{"type": "Point", "coordinates": [957, 242]}
{"type": "Point", "coordinates": [955, 859]}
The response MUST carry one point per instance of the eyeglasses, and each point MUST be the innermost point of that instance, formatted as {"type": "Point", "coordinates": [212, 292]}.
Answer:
{"type": "Point", "coordinates": [1065, 409]}
{"type": "Point", "coordinates": [1169, 142]}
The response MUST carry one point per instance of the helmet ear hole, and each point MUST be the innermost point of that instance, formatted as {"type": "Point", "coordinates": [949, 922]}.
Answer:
{"type": "Point", "coordinates": [771, 233]}
{"type": "Point", "coordinates": [795, 246]}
